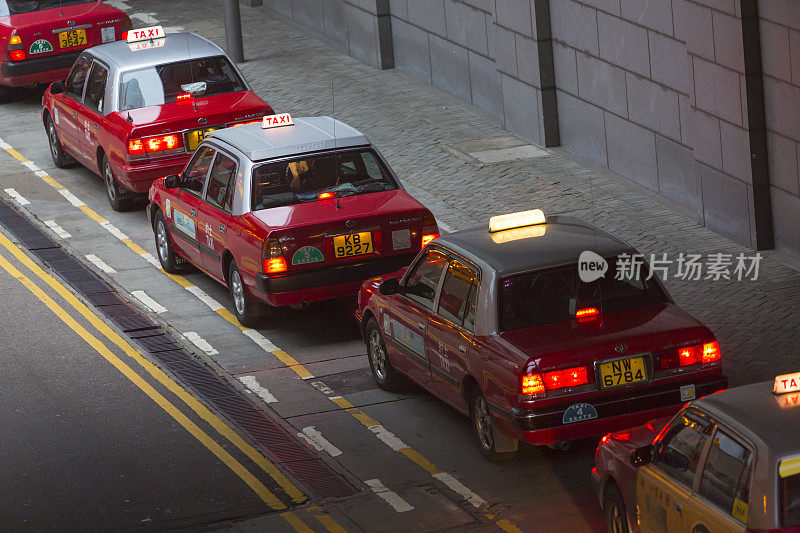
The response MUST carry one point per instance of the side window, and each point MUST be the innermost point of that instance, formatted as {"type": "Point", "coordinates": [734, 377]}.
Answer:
{"type": "Point", "coordinates": [422, 282]}
{"type": "Point", "coordinates": [469, 318]}
{"type": "Point", "coordinates": [77, 78]}
{"type": "Point", "coordinates": [220, 180]}
{"type": "Point", "coordinates": [96, 87]}
{"type": "Point", "coordinates": [678, 453]}
{"type": "Point", "coordinates": [194, 176]}
{"type": "Point", "coordinates": [458, 283]}
{"type": "Point", "coordinates": [726, 476]}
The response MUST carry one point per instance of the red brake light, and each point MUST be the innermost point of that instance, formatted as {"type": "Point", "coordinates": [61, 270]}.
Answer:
{"type": "Point", "coordinates": [154, 144]}
{"type": "Point", "coordinates": [183, 96]}
{"type": "Point", "coordinates": [17, 55]}
{"type": "Point", "coordinates": [325, 195]}
{"type": "Point", "coordinates": [711, 352]}
{"type": "Point", "coordinates": [274, 265]}
{"type": "Point", "coordinates": [125, 35]}
{"type": "Point", "coordinates": [691, 355]}
{"type": "Point", "coordinates": [135, 146]}
{"type": "Point", "coordinates": [428, 238]}
{"type": "Point", "coordinates": [569, 377]}
{"type": "Point", "coordinates": [531, 384]}
{"type": "Point", "coordinates": [587, 313]}
{"type": "Point", "coordinates": [272, 257]}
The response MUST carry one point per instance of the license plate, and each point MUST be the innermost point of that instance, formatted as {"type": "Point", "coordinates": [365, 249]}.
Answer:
{"type": "Point", "coordinates": [622, 372]}
{"type": "Point", "coordinates": [194, 138]}
{"type": "Point", "coordinates": [353, 244]}
{"type": "Point", "coordinates": [72, 38]}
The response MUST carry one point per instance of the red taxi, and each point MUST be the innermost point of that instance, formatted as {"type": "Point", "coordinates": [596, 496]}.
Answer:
{"type": "Point", "coordinates": [40, 39]}
{"type": "Point", "coordinates": [135, 110]}
{"type": "Point", "coordinates": [286, 213]}
{"type": "Point", "coordinates": [500, 325]}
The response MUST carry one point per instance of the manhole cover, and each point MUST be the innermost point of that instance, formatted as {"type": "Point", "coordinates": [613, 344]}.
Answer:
{"type": "Point", "coordinates": [498, 149]}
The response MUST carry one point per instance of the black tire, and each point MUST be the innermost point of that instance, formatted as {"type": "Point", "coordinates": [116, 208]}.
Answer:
{"type": "Point", "coordinates": [247, 309]}
{"type": "Point", "coordinates": [170, 261]}
{"type": "Point", "coordinates": [614, 510]}
{"type": "Point", "coordinates": [383, 372]}
{"type": "Point", "coordinates": [60, 157]}
{"type": "Point", "coordinates": [120, 198]}
{"type": "Point", "coordinates": [483, 428]}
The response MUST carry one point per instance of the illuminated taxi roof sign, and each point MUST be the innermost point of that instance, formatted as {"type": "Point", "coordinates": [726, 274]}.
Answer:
{"type": "Point", "coordinates": [787, 383]}
{"type": "Point", "coordinates": [145, 34]}
{"type": "Point", "coordinates": [276, 121]}
{"type": "Point", "coordinates": [516, 220]}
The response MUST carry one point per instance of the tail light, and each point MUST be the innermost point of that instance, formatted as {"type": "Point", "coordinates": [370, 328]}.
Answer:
{"type": "Point", "coordinates": [15, 51]}
{"type": "Point", "coordinates": [569, 377]}
{"type": "Point", "coordinates": [150, 145]}
{"type": "Point", "coordinates": [272, 256]}
{"type": "Point", "coordinates": [690, 355]}
{"type": "Point", "coordinates": [325, 195]}
{"type": "Point", "coordinates": [183, 96]}
{"type": "Point", "coordinates": [531, 385]}
{"type": "Point", "coordinates": [587, 313]}
{"type": "Point", "coordinates": [430, 230]}
{"type": "Point", "coordinates": [711, 352]}
{"type": "Point", "coordinates": [126, 25]}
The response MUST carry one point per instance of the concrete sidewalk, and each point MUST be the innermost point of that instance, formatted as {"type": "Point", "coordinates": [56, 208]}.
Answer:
{"type": "Point", "coordinates": [427, 137]}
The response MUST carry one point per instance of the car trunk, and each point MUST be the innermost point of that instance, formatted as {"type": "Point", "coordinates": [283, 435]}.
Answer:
{"type": "Point", "coordinates": [311, 232]}
{"type": "Point", "coordinates": [39, 30]}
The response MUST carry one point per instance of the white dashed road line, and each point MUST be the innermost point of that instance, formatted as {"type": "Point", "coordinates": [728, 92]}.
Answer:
{"type": "Point", "coordinates": [153, 305]}
{"type": "Point", "coordinates": [252, 383]}
{"type": "Point", "coordinates": [58, 230]}
{"type": "Point", "coordinates": [200, 342]}
{"type": "Point", "coordinates": [205, 298]}
{"type": "Point", "coordinates": [388, 438]}
{"type": "Point", "coordinates": [391, 497]}
{"type": "Point", "coordinates": [21, 200]}
{"type": "Point", "coordinates": [99, 263]}
{"type": "Point", "coordinates": [459, 488]}
{"type": "Point", "coordinates": [71, 198]}
{"type": "Point", "coordinates": [315, 438]}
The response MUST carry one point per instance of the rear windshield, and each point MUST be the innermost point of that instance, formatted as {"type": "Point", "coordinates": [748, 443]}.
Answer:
{"type": "Point", "coordinates": [550, 296]}
{"type": "Point", "coordinates": [790, 501]}
{"type": "Point", "coordinates": [15, 7]}
{"type": "Point", "coordinates": [163, 83]}
{"type": "Point", "coordinates": [304, 180]}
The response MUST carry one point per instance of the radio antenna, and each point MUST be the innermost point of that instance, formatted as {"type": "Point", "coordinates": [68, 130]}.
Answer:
{"type": "Point", "coordinates": [333, 112]}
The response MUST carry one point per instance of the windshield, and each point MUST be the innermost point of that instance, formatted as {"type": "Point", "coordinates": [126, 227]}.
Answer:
{"type": "Point", "coordinates": [304, 180]}
{"type": "Point", "coordinates": [162, 84]}
{"type": "Point", "coordinates": [550, 296]}
{"type": "Point", "coordinates": [790, 501]}
{"type": "Point", "coordinates": [15, 7]}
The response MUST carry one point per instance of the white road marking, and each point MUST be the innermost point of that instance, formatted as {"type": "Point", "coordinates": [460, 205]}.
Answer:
{"type": "Point", "coordinates": [31, 165]}
{"type": "Point", "coordinates": [150, 259]}
{"type": "Point", "coordinates": [320, 386]}
{"type": "Point", "coordinates": [252, 383]}
{"type": "Point", "coordinates": [261, 340]}
{"type": "Point", "coordinates": [21, 200]}
{"type": "Point", "coordinates": [99, 263]}
{"type": "Point", "coordinates": [147, 18]}
{"type": "Point", "coordinates": [205, 298]}
{"type": "Point", "coordinates": [459, 488]}
{"type": "Point", "coordinates": [315, 438]}
{"type": "Point", "coordinates": [153, 305]}
{"type": "Point", "coordinates": [119, 4]}
{"type": "Point", "coordinates": [111, 228]}
{"type": "Point", "coordinates": [444, 227]}
{"type": "Point", "coordinates": [388, 438]}
{"type": "Point", "coordinates": [200, 342]}
{"type": "Point", "coordinates": [41, 173]}
{"type": "Point", "coordinates": [391, 497]}
{"type": "Point", "coordinates": [58, 230]}
{"type": "Point", "coordinates": [74, 200]}
{"type": "Point", "coordinates": [4, 145]}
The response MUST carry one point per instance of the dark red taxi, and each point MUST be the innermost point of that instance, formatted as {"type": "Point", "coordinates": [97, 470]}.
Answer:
{"type": "Point", "coordinates": [287, 212]}
{"type": "Point", "coordinates": [41, 39]}
{"type": "Point", "coordinates": [500, 326]}
{"type": "Point", "coordinates": [135, 110]}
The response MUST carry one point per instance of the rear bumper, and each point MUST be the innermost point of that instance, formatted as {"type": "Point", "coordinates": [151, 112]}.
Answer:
{"type": "Point", "coordinates": [614, 413]}
{"type": "Point", "coordinates": [37, 70]}
{"type": "Point", "coordinates": [138, 178]}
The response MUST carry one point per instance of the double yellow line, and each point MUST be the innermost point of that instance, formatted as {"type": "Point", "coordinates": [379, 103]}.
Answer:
{"type": "Point", "coordinates": [201, 410]}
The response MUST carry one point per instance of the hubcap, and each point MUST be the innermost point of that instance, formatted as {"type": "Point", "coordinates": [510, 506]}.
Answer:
{"type": "Point", "coordinates": [53, 137]}
{"type": "Point", "coordinates": [483, 423]}
{"type": "Point", "coordinates": [238, 291]}
{"type": "Point", "coordinates": [162, 241]}
{"type": "Point", "coordinates": [109, 179]}
{"type": "Point", "coordinates": [376, 355]}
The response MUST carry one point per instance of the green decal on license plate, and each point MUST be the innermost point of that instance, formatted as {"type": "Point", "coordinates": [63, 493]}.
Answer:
{"type": "Point", "coordinates": [307, 254]}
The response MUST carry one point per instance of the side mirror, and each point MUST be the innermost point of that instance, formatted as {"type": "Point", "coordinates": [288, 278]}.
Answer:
{"type": "Point", "coordinates": [170, 182]}
{"type": "Point", "coordinates": [642, 456]}
{"type": "Point", "coordinates": [389, 286]}
{"type": "Point", "coordinates": [57, 87]}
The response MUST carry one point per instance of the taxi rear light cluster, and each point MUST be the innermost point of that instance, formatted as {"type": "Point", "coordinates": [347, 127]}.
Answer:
{"type": "Point", "coordinates": [430, 230]}
{"type": "Point", "coordinates": [536, 384]}
{"type": "Point", "coordinates": [14, 47]}
{"type": "Point", "coordinates": [272, 257]}
{"type": "Point", "coordinates": [587, 313]}
{"type": "Point", "coordinates": [155, 144]}
{"type": "Point", "coordinates": [705, 353]}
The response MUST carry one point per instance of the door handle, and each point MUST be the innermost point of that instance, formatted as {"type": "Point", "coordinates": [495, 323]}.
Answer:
{"type": "Point", "coordinates": [194, 212]}
{"type": "Point", "coordinates": [462, 350]}
{"type": "Point", "coordinates": [678, 507]}
{"type": "Point", "coordinates": [74, 114]}
{"type": "Point", "coordinates": [222, 229]}
{"type": "Point", "coordinates": [95, 128]}
{"type": "Point", "coordinates": [420, 326]}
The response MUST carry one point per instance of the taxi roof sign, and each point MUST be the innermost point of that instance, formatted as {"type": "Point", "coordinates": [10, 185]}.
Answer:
{"type": "Point", "coordinates": [787, 383]}
{"type": "Point", "coordinates": [276, 121]}
{"type": "Point", "coordinates": [516, 220]}
{"type": "Point", "coordinates": [145, 34]}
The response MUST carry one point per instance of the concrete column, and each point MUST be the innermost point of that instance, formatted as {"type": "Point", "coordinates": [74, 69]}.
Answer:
{"type": "Point", "coordinates": [369, 32]}
{"type": "Point", "coordinates": [233, 31]}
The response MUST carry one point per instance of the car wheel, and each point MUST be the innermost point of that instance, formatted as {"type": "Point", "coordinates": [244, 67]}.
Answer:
{"type": "Point", "coordinates": [60, 157]}
{"type": "Point", "coordinates": [170, 261]}
{"type": "Point", "coordinates": [248, 310]}
{"type": "Point", "coordinates": [484, 429]}
{"type": "Point", "coordinates": [120, 198]}
{"type": "Point", "coordinates": [614, 510]}
{"type": "Point", "coordinates": [383, 372]}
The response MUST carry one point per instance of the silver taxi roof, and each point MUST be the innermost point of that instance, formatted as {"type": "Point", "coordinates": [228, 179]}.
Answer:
{"type": "Point", "coordinates": [754, 410]}
{"type": "Point", "coordinates": [177, 47]}
{"type": "Point", "coordinates": [309, 134]}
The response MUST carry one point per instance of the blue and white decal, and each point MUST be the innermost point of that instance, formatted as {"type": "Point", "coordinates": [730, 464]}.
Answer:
{"type": "Point", "coordinates": [408, 337]}
{"type": "Point", "coordinates": [185, 224]}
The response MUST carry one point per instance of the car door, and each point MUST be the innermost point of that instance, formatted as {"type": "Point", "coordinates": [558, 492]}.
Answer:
{"type": "Point", "coordinates": [66, 104]}
{"type": "Point", "coordinates": [90, 113]}
{"type": "Point", "coordinates": [214, 213]}
{"type": "Point", "coordinates": [182, 209]}
{"type": "Point", "coordinates": [722, 499]}
{"type": "Point", "coordinates": [664, 487]}
{"type": "Point", "coordinates": [406, 320]}
{"type": "Point", "coordinates": [450, 330]}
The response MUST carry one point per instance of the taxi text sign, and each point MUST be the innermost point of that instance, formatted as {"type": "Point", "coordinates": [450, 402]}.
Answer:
{"type": "Point", "coordinates": [145, 34]}
{"type": "Point", "coordinates": [275, 121]}
{"type": "Point", "coordinates": [787, 383]}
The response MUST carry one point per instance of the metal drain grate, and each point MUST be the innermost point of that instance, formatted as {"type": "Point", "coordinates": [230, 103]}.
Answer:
{"type": "Point", "coordinates": [316, 475]}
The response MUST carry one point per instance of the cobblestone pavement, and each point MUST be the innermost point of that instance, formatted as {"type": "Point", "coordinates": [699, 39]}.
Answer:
{"type": "Point", "coordinates": [418, 128]}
